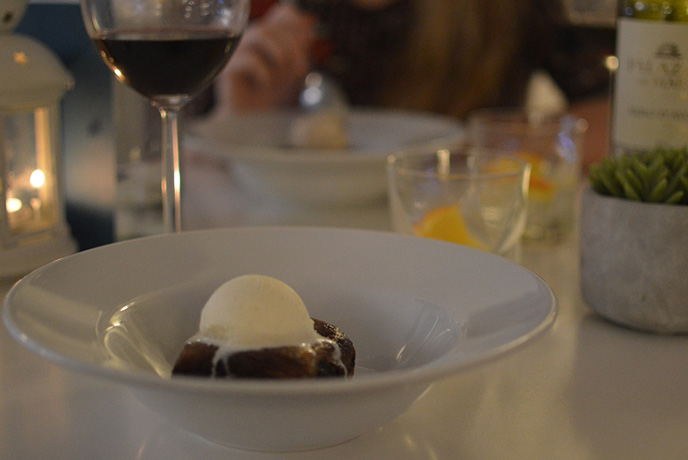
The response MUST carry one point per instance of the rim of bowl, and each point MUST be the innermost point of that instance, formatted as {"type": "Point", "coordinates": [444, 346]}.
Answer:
{"type": "Point", "coordinates": [394, 163]}
{"type": "Point", "coordinates": [427, 373]}
{"type": "Point", "coordinates": [280, 155]}
{"type": "Point", "coordinates": [519, 120]}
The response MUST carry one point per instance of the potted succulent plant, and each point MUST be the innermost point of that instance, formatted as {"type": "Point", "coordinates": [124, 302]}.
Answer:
{"type": "Point", "coordinates": [634, 240]}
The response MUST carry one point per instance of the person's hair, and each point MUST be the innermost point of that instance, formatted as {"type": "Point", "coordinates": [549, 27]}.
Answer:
{"type": "Point", "coordinates": [466, 54]}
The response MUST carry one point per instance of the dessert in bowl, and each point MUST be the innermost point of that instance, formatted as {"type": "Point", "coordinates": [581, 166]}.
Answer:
{"type": "Point", "coordinates": [416, 309]}
{"type": "Point", "coordinates": [256, 326]}
{"type": "Point", "coordinates": [266, 161]}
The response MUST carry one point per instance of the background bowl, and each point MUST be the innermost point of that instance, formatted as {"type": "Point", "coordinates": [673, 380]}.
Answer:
{"type": "Point", "coordinates": [263, 162]}
{"type": "Point", "coordinates": [416, 309]}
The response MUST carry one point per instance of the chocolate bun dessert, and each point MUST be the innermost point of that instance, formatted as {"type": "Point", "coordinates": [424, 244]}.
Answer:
{"type": "Point", "coordinates": [257, 327]}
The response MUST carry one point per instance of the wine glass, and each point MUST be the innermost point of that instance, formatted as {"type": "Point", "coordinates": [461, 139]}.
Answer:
{"type": "Point", "coordinates": [168, 51]}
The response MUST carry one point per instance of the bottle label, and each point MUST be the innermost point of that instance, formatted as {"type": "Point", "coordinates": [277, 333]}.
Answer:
{"type": "Point", "coordinates": [650, 101]}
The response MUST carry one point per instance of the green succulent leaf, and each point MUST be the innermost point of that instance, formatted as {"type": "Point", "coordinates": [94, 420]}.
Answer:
{"type": "Point", "coordinates": [629, 191]}
{"type": "Point", "coordinates": [675, 198]}
{"type": "Point", "coordinates": [634, 181]}
{"type": "Point", "coordinates": [658, 192]}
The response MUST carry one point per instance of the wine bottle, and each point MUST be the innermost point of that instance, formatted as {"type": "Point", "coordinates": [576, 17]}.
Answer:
{"type": "Point", "coordinates": [650, 94]}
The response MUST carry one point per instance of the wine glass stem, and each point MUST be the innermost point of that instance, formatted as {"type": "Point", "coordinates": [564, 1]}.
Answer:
{"type": "Point", "coordinates": [171, 175]}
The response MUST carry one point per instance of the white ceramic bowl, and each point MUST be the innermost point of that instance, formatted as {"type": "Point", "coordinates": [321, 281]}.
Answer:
{"type": "Point", "coordinates": [416, 309]}
{"type": "Point", "coordinates": [263, 162]}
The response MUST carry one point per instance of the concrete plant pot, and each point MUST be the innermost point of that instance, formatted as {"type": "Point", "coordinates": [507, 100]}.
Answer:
{"type": "Point", "coordinates": [634, 262]}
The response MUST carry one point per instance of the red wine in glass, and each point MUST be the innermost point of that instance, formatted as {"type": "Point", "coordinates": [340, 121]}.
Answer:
{"type": "Point", "coordinates": [161, 64]}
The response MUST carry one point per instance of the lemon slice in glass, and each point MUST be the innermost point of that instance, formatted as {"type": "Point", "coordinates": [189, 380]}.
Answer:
{"type": "Point", "coordinates": [446, 223]}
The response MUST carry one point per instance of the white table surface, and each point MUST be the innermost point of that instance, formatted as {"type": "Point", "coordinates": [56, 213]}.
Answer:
{"type": "Point", "coordinates": [587, 389]}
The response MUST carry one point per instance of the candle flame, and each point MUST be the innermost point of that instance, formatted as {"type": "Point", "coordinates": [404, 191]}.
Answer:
{"type": "Point", "coordinates": [13, 204]}
{"type": "Point", "coordinates": [37, 178]}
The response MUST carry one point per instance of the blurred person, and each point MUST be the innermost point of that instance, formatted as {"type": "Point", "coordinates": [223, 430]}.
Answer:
{"type": "Point", "coordinates": [443, 56]}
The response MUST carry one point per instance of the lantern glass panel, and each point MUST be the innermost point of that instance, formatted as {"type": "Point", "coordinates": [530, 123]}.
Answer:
{"type": "Point", "coordinates": [29, 149]}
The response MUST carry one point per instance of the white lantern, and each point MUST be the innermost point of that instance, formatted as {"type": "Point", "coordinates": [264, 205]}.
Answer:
{"type": "Point", "coordinates": [33, 230]}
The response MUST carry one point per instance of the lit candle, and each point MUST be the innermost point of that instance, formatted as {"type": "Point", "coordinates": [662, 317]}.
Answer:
{"type": "Point", "coordinates": [14, 204]}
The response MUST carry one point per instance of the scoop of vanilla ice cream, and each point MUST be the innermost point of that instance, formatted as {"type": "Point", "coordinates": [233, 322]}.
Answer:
{"type": "Point", "coordinates": [321, 130]}
{"type": "Point", "coordinates": [256, 311]}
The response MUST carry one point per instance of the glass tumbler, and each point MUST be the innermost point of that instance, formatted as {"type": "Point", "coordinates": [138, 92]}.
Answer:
{"type": "Point", "coordinates": [552, 144]}
{"type": "Point", "coordinates": [474, 197]}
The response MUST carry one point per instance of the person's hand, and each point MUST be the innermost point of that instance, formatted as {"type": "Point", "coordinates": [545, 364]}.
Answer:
{"type": "Point", "coordinates": [270, 63]}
